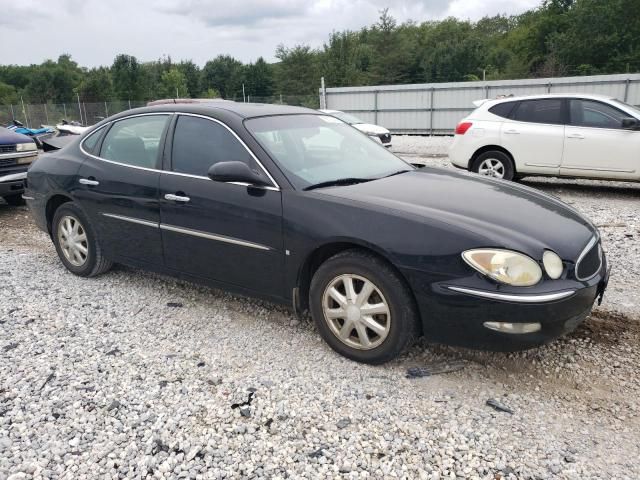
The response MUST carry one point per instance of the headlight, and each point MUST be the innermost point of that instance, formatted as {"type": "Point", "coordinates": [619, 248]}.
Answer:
{"type": "Point", "coordinates": [26, 147]}
{"type": "Point", "coordinates": [505, 266]}
{"type": "Point", "coordinates": [552, 264]}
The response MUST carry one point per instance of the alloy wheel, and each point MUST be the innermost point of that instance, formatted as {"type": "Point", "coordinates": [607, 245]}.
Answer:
{"type": "Point", "coordinates": [72, 238]}
{"type": "Point", "coordinates": [492, 167]}
{"type": "Point", "coordinates": [356, 311]}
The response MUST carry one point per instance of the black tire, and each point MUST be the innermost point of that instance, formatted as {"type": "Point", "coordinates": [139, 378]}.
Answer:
{"type": "Point", "coordinates": [403, 326]}
{"type": "Point", "coordinates": [95, 263]}
{"type": "Point", "coordinates": [14, 200]}
{"type": "Point", "coordinates": [499, 156]}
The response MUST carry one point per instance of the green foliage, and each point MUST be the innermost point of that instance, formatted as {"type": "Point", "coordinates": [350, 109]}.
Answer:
{"type": "Point", "coordinates": [559, 37]}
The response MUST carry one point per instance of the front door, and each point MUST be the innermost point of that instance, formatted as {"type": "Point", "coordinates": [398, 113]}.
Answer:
{"type": "Point", "coordinates": [225, 232]}
{"type": "Point", "coordinates": [596, 145]}
{"type": "Point", "coordinates": [118, 188]}
{"type": "Point", "coordinates": [535, 135]}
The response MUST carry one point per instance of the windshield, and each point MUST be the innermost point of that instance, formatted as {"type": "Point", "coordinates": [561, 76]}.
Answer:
{"type": "Point", "coordinates": [345, 117]}
{"type": "Point", "coordinates": [633, 108]}
{"type": "Point", "coordinates": [314, 149]}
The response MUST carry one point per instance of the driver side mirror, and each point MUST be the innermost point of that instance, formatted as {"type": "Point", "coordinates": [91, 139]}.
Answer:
{"type": "Point", "coordinates": [630, 123]}
{"type": "Point", "coordinates": [236, 172]}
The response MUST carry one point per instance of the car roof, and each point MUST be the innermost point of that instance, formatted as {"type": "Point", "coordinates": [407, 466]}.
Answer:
{"type": "Point", "coordinates": [589, 96]}
{"type": "Point", "coordinates": [241, 109]}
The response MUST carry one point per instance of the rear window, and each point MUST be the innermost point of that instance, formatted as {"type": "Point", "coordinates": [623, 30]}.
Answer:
{"type": "Point", "coordinates": [546, 110]}
{"type": "Point", "coordinates": [503, 109]}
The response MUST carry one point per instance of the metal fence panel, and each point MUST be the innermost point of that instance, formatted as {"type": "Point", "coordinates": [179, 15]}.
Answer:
{"type": "Point", "coordinates": [436, 108]}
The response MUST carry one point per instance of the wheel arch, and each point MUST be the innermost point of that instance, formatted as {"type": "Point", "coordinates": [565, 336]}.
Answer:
{"type": "Point", "coordinates": [327, 250]}
{"type": "Point", "coordinates": [54, 202]}
{"type": "Point", "coordinates": [489, 148]}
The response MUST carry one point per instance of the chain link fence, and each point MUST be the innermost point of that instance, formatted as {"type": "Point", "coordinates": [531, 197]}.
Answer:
{"type": "Point", "coordinates": [90, 113]}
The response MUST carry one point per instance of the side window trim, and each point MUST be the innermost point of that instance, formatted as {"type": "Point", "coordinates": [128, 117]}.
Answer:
{"type": "Point", "coordinates": [108, 127]}
{"type": "Point", "coordinates": [570, 120]}
{"type": "Point", "coordinates": [169, 148]}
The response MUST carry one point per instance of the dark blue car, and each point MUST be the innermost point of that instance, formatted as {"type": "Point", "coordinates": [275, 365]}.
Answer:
{"type": "Point", "coordinates": [17, 152]}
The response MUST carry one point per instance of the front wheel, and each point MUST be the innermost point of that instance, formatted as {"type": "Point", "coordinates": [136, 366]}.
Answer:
{"type": "Point", "coordinates": [76, 242]}
{"type": "Point", "coordinates": [495, 164]}
{"type": "Point", "coordinates": [362, 308]}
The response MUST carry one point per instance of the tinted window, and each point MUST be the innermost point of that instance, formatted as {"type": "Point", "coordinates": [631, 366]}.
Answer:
{"type": "Point", "coordinates": [135, 141]}
{"type": "Point", "coordinates": [502, 109]}
{"type": "Point", "coordinates": [587, 113]}
{"type": "Point", "coordinates": [90, 144]}
{"type": "Point", "coordinates": [548, 110]}
{"type": "Point", "coordinates": [199, 143]}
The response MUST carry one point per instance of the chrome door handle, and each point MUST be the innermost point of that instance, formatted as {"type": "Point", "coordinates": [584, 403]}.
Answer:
{"type": "Point", "coordinates": [176, 198]}
{"type": "Point", "coordinates": [576, 135]}
{"type": "Point", "coordinates": [512, 132]}
{"type": "Point", "coordinates": [86, 181]}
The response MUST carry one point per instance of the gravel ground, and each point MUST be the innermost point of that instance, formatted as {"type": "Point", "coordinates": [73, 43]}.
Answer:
{"type": "Point", "coordinates": [136, 375]}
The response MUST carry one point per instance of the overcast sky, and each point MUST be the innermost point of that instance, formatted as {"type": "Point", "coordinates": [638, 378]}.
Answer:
{"type": "Point", "coordinates": [94, 31]}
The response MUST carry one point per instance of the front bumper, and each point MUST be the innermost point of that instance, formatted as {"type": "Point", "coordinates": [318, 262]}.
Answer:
{"type": "Point", "coordinates": [458, 317]}
{"type": "Point", "coordinates": [13, 183]}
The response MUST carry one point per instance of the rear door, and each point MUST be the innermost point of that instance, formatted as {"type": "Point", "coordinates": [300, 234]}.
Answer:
{"type": "Point", "coordinates": [226, 232]}
{"type": "Point", "coordinates": [118, 187]}
{"type": "Point", "coordinates": [535, 135]}
{"type": "Point", "coordinates": [596, 145]}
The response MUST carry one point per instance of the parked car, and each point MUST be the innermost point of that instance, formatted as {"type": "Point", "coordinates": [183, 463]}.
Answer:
{"type": "Point", "coordinates": [376, 132]}
{"type": "Point", "coordinates": [566, 135]}
{"type": "Point", "coordinates": [295, 206]}
{"type": "Point", "coordinates": [17, 152]}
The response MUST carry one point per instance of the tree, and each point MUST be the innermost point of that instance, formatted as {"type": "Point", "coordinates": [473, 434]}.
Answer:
{"type": "Point", "coordinates": [174, 84]}
{"type": "Point", "coordinates": [224, 74]}
{"type": "Point", "coordinates": [127, 78]}
{"type": "Point", "coordinates": [97, 86]}
{"type": "Point", "coordinates": [297, 73]}
{"type": "Point", "coordinates": [259, 79]}
{"type": "Point", "coordinates": [191, 74]}
{"type": "Point", "coordinates": [8, 94]}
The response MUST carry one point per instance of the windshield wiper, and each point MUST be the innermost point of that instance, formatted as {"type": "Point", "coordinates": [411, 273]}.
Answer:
{"type": "Point", "coordinates": [338, 182]}
{"type": "Point", "coordinates": [397, 173]}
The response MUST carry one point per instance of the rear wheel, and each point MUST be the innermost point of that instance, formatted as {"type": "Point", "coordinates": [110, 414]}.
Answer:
{"type": "Point", "coordinates": [494, 163]}
{"type": "Point", "coordinates": [76, 242]}
{"type": "Point", "coordinates": [362, 308]}
{"type": "Point", "coordinates": [14, 200]}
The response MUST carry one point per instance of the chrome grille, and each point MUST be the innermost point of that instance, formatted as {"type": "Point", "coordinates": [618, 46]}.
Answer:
{"type": "Point", "coordinates": [7, 148]}
{"type": "Point", "coordinates": [590, 260]}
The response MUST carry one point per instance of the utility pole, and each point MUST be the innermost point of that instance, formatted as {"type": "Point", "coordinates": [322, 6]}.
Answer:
{"type": "Point", "coordinates": [244, 99]}
{"type": "Point", "coordinates": [79, 107]}
{"type": "Point", "coordinates": [177, 94]}
{"type": "Point", "coordinates": [323, 102]}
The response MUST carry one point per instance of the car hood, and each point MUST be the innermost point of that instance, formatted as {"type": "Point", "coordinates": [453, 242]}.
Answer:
{"type": "Point", "coordinates": [7, 137]}
{"type": "Point", "coordinates": [499, 213]}
{"type": "Point", "coordinates": [370, 128]}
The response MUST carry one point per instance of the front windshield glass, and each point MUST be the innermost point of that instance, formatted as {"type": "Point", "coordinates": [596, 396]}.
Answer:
{"type": "Point", "coordinates": [345, 117]}
{"type": "Point", "coordinates": [313, 149]}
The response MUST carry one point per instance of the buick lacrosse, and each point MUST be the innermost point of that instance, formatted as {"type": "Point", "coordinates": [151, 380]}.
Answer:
{"type": "Point", "coordinates": [298, 207]}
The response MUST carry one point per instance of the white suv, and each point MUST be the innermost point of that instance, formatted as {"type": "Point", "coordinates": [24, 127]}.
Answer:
{"type": "Point", "coordinates": [567, 135]}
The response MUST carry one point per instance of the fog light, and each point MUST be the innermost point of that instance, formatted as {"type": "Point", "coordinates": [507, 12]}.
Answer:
{"type": "Point", "coordinates": [514, 328]}
{"type": "Point", "coordinates": [552, 264]}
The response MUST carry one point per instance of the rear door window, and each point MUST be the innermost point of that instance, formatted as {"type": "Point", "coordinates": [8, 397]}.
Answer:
{"type": "Point", "coordinates": [135, 141]}
{"type": "Point", "coordinates": [544, 110]}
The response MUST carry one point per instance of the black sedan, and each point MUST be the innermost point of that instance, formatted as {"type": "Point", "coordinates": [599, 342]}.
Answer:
{"type": "Point", "coordinates": [300, 208]}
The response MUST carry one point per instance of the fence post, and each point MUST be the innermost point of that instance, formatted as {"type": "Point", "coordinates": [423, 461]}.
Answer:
{"type": "Point", "coordinates": [106, 110]}
{"type": "Point", "coordinates": [84, 107]}
{"type": "Point", "coordinates": [549, 87]}
{"type": "Point", "coordinates": [431, 111]}
{"type": "Point", "coordinates": [13, 114]}
{"type": "Point", "coordinates": [46, 114]}
{"type": "Point", "coordinates": [626, 89]}
{"type": "Point", "coordinates": [375, 107]}
{"type": "Point", "coordinates": [129, 104]}
{"type": "Point", "coordinates": [64, 109]}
